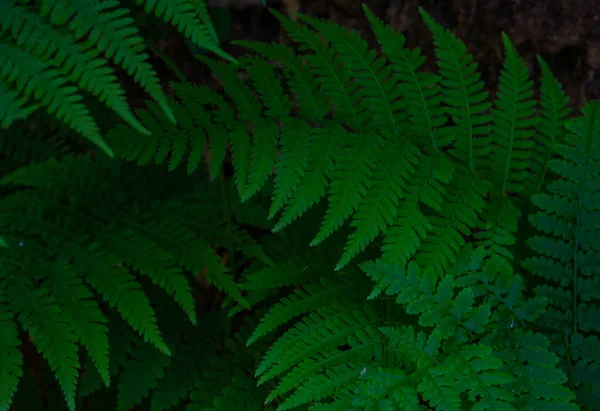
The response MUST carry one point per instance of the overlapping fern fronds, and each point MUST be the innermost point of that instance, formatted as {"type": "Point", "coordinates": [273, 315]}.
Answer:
{"type": "Point", "coordinates": [567, 253]}
{"type": "Point", "coordinates": [51, 51]}
{"type": "Point", "coordinates": [77, 228]}
{"type": "Point", "coordinates": [392, 274]}
{"type": "Point", "coordinates": [423, 166]}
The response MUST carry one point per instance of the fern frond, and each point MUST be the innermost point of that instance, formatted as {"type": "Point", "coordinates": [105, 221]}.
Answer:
{"type": "Point", "coordinates": [514, 119]}
{"type": "Point", "coordinates": [13, 107]}
{"type": "Point", "coordinates": [11, 359]}
{"type": "Point", "coordinates": [371, 74]}
{"type": "Point", "coordinates": [566, 251]}
{"type": "Point", "coordinates": [55, 338]}
{"type": "Point", "coordinates": [463, 95]}
{"type": "Point", "coordinates": [310, 297]}
{"type": "Point", "coordinates": [190, 18]}
{"type": "Point", "coordinates": [334, 77]}
{"type": "Point", "coordinates": [89, 72]}
{"type": "Point", "coordinates": [83, 313]}
{"type": "Point", "coordinates": [142, 372]}
{"type": "Point", "coordinates": [550, 128]}
{"type": "Point", "coordinates": [31, 75]}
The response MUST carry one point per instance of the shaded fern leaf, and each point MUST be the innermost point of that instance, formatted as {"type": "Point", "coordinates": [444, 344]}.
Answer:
{"type": "Point", "coordinates": [463, 95]}
{"type": "Point", "coordinates": [550, 128]}
{"type": "Point", "coordinates": [514, 119]}
{"type": "Point", "coordinates": [46, 61]}
{"type": "Point", "coordinates": [565, 250]}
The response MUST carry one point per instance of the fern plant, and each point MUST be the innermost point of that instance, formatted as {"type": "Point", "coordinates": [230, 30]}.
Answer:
{"type": "Point", "coordinates": [52, 50]}
{"type": "Point", "coordinates": [403, 240]}
{"type": "Point", "coordinates": [75, 225]}
{"type": "Point", "coordinates": [433, 173]}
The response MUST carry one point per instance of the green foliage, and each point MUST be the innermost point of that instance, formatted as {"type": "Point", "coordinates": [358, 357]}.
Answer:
{"type": "Point", "coordinates": [379, 238]}
{"type": "Point", "coordinates": [53, 50]}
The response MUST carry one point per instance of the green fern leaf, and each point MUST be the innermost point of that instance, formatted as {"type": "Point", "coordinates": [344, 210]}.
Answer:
{"type": "Point", "coordinates": [32, 75]}
{"type": "Point", "coordinates": [514, 119]}
{"type": "Point", "coordinates": [142, 372]}
{"type": "Point", "coordinates": [462, 90]}
{"type": "Point", "coordinates": [550, 129]}
{"type": "Point", "coordinates": [53, 336]}
{"type": "Point", "coordinates": [83, 314]}
{"type": "Point", "coordinates": [427, 116]}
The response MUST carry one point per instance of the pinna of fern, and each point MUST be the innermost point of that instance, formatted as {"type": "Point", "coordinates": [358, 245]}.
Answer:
{"type": "Point", "coordinates": [75, 225]}
{"type": "Point", "coordinates": [52, 50]}
{"type": "Point", "coordinates": [566, 251]}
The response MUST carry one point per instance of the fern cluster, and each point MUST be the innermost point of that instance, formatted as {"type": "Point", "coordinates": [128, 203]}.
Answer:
{"type": "Point", "coordinates": [53, 50]}
{"type": "Point", "coordinates": [396, 239]}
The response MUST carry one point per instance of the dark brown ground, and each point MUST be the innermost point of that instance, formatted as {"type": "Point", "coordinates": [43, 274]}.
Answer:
{"type": "Point", "coordinates": [564, 32]}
